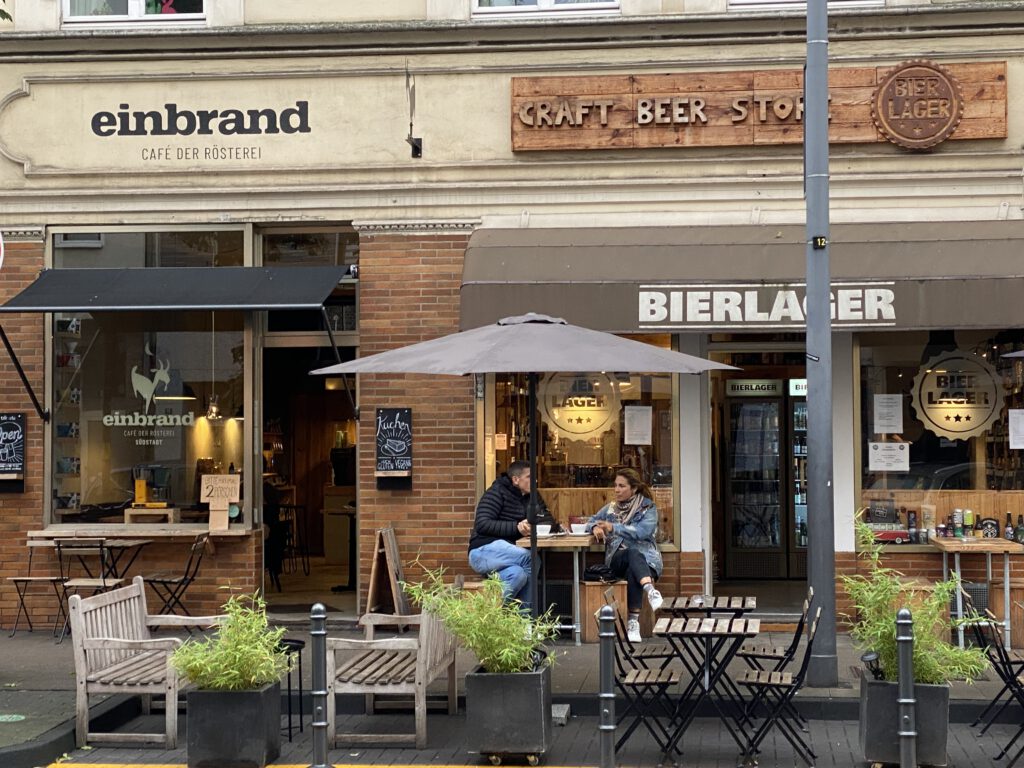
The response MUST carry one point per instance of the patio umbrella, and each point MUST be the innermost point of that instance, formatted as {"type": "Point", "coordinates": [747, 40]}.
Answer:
{"type": "Point", "coordinates": [529, 344]}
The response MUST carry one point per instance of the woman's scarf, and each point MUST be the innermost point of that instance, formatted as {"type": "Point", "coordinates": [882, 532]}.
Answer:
{"type": "Point", "coordinates": [624, 510]}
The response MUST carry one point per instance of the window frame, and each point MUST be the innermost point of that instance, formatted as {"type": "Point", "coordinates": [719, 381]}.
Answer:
{"type": "Point", "coordinates": [546, 8]}
{"type": "Point", "coordinates": [136, 15]}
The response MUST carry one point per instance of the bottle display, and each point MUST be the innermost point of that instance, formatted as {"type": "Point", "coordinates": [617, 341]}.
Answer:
{"type": "Point", "coordinates": [754, 474]}
{"type": "Point", "coordinates": [1008, 531]}
{"type": "Point", "coordinates": [1019, 530]}
{"type": "Point", "coordinates": [979, 529]}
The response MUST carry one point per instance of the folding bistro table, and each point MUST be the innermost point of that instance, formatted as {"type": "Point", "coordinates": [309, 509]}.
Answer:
{"type": "Point", "coordinates": [705, 605]}
{"type": "Point", "coordinates": [705, 647]}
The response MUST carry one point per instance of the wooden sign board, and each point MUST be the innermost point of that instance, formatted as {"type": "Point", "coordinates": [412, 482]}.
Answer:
{"type": "Point", "coordinates": [220, 491]}
{"type": "Point", "coordinates": [394, 442]}
{"type": "Point", "coordinates": [726, 109]}
{"type": "Point", "coordinates": [385, 594]}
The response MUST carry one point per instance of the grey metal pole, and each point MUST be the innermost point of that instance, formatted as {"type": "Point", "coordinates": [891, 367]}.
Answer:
{"type": "Point", "coordinates": [606, 694]}
{"type": "Point", "coordinates": [906, 700]}
{"type": "Point", "coordinates": [533, 506]}
{"type": "Point", "coordinates": [318, 692]}
{"type": "Point", "coordinates": [823, 670]}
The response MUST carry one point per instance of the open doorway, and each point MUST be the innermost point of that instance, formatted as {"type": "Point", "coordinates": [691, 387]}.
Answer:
{"type": "Point", "coordinates": [309, 486]}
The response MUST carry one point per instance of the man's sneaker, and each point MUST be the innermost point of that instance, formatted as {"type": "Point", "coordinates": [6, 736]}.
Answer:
{"type": "Point", "coordinates": [633, 631]}
{"type": "Point", "coordinates": [654, 598]}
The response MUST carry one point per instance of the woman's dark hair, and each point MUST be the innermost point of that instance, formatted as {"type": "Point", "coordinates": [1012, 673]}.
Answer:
{"type": "Point", "coordinates": [632, 477]}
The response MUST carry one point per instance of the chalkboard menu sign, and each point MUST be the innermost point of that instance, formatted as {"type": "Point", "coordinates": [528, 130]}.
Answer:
{"type": "Point", "coordinates": [394, 442]}
{"type": "Point", "coordinates": [12, 446]}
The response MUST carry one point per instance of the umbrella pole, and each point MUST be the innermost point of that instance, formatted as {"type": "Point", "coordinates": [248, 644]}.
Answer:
{"type": "Point", "coordinates": [531, 509]}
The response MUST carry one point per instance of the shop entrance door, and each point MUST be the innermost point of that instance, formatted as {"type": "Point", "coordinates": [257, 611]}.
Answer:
{"type": "Point", "coordinates": [761, 496]}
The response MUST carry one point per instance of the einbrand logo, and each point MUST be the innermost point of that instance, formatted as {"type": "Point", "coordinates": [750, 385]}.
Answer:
{"type": "Point", "coordinates": [205, 122]}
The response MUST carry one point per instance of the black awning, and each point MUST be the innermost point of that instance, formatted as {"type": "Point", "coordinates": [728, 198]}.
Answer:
{"type": "Point", "coordinates": [181, 288]}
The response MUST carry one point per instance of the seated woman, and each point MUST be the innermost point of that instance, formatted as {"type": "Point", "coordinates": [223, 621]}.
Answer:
{"type": "Point", "coordinates": [629, 526]}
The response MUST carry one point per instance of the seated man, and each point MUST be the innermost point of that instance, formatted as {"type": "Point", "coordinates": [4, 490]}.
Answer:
{"type": "Point", "coordinates": [500, 520]}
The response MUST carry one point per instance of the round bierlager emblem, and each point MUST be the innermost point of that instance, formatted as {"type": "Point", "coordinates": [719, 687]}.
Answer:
{"type": "Point", "coordinates": [957, 395]}
{"type": "Point", "coordinates": [917, 105]}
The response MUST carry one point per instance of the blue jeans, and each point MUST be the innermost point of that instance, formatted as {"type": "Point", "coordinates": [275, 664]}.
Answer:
{"type": "Point", "coordinates": [511, 563]}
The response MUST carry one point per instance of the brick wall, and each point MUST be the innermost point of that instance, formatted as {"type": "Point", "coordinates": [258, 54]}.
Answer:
{"type": "Point", "coordinates": [409, 292]}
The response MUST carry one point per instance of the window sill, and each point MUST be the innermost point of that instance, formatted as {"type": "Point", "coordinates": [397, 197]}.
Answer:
{"type": "Point", "coordinates": [137, 530]}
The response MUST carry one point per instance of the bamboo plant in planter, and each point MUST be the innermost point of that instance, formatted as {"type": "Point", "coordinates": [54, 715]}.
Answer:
{"type": "Point", "coordinates": [234, 712]}
{"type": "Point", "coordinates": [508, 696]}
{"type": "Point", "coordinates": [877, 594]}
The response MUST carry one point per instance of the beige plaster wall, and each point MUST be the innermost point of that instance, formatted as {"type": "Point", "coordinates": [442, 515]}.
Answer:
{"type": "Point", "coordinates": [310, 11]}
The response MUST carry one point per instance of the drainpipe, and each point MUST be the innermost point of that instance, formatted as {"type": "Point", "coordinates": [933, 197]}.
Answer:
{"type": "Point", "coordinates": [906, 701]}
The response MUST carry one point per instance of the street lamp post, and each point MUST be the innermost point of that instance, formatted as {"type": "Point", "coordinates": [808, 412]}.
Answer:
{"type": "Point", "coordinates": [823, 669]}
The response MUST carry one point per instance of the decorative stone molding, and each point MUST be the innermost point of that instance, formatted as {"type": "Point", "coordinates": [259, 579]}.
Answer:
{"type": "Point", "coordinates": [22, 234]}
{"type": "Point", "coordinates": [462, 226]}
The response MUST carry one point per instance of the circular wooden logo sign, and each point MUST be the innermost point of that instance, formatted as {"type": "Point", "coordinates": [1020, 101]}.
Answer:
{"type": "Point", "coordinates": [917, 105]}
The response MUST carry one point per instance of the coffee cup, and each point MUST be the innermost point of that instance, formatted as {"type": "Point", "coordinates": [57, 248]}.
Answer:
{"type": "Point", "coordinates": [578, 528]}
{"type": "Point", "coordinates": [543, 530]}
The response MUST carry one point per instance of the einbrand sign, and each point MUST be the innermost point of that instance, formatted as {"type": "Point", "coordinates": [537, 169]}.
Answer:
{"type": "Point", "coordinates": [174, 121]}
{"type": "Point", "coordinates": [916, 105]}
{"type": "Point", "coordinates": [957, 395]}
{"type": "Point", "coordinates": [702, 305]}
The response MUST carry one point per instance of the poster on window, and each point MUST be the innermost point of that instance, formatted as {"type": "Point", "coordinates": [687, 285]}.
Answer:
{"type": "Point", "coordinates": [639, 420]}
{"type": "Point", "coordinates": [1016, 428]}
{"type": "Point", "coordinates": [888, 457]}
{"type": "Point", "coordinates": [888, 414]}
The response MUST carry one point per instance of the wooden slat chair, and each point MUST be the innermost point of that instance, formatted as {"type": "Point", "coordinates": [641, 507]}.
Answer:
{"type": "Point", "coordinates": [1008, 664]}
{"type": "Point", "coordinates": [170, 587]}
{"type": "Point", "coordinates": [647, 654]}
{"type": "Point", "coordinates": [391, 665]}
{"type": "Point", "coordinates": [777, 689]}
{"type": "Point", "coordinates": [31, 583]}
{"type": "Point", "coordinates": [644, 690]}
{"type": "Point", "coordinates": [84, 550]}
{"type": "Point", "coordinates": [114, 653]}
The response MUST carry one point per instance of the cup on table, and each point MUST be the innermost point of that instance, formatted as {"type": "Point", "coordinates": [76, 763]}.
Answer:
{"type": "Point", "coordinates": [578, 528]}
{"type": "Point", "coordinates": [543, 530]}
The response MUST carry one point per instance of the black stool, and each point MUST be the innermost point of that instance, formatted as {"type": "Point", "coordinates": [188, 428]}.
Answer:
{"type": "Point", "coordinates": [293, 649]}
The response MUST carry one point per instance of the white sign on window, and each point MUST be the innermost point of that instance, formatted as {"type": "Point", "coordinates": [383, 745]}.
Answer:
{"type": "Point", "coordinates": [888, 414]}
{"type": "Point", "coordinates": [888, 457]}
{"type": "Point", "coordinates": [501, 441]}
{"type": "Point", "coordinates": [1016, 428]}
{"type": "Point", "coordinates": [638, 424]}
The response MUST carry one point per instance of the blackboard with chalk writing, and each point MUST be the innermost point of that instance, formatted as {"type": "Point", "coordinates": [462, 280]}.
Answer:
{"type": "Point", "coordinates": [394, 442]}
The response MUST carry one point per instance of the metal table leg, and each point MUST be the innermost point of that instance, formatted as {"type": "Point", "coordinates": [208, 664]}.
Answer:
{"type": "Point", "coordinates": [959, 599]}
{"type": "Point", "coordinates": [1006, 600]}
{"type": "Point", "coordinates": [576, 555]}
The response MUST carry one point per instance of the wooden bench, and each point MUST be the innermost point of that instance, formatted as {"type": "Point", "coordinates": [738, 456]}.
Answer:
{"type": "Point", "coordinates": [114, 653]}
{"type": "Point", "coordinates": [392, 665]}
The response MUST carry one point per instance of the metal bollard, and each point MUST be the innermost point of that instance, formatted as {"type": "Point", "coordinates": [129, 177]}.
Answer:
{"type": "Point", "coordinates": [905, 700]}
{"type": "Point", "coordinates": [318, 688]}
{"type": "Point", "coordinates": [606, 694]}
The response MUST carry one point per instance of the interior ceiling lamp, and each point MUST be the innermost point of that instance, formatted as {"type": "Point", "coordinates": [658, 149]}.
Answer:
{"type": "Point", "coordinates": [187, 393]}
{"type": "Point", "coordinates": [213, 407]}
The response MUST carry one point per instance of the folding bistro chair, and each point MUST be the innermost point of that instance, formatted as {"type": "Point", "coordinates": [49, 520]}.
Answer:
{"type": "Point", "coordinates": [642, 653]}
{"type": "Point", "coordinates": [83, 550]}
{"type": "Point", "coordinates": [23, 585]}
{"type": "Point", "coordinates": [1008, 667]}
{"type": "Point", "coordinates": [776, 658]}
{"type": "Point", "coordinates": [777, 689]}
{"type": "Point", "coordinates": [171, 589]}
{"type": "Point", "coordinates": [644, 690]}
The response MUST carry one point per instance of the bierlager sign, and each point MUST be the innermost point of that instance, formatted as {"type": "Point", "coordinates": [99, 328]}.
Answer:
{"type": "Point", "coordinates": [957, 395]}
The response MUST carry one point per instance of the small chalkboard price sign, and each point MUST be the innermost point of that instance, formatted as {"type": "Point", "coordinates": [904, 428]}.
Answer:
{"type": "Point", "coordinates": [12, 446]}
{"type": "Point", "coordinates": [394, 442]}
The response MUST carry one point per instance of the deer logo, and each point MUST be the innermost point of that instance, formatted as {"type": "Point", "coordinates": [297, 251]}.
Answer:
{"type": "Point", "coordinates": [145, 387]}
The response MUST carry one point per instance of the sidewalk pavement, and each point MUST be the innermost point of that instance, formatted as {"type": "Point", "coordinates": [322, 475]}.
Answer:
{"type": "Point", "coordinates": [37, 719]}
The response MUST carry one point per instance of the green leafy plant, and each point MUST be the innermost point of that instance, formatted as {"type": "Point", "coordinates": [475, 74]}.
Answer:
{"type": "Point", "coordinates": [4, 14]}
{"type": "Point", "coordinates": [503, 638]}
{"type": "Point", "coordinates": [877, 595]}
{"type": "Point", "coordinates": [244, 653]}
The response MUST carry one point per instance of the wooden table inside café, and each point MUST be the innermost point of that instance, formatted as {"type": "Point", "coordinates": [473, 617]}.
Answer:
{"type": "Point", "coordinates": [987, 547]}
{"type": "Point", "coordinates": [576, 545]}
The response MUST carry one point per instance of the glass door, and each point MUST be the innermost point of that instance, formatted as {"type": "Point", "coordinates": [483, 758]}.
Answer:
{"type": "Point", "coordinates": [798, 484]}
{"type": "Point", "coordinates": [756, 529]}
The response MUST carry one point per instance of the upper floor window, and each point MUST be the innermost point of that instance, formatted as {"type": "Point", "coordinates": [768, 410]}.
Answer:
{"type": "Point", "coordinates": [133, 10]}
{"type": "Point", "coordinates": [483, 7]}
{"type": "Point", "coordinates": [799, 5]}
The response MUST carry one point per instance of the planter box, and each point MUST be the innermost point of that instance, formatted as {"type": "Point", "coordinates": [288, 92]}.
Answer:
{"type": "Point", "coordinates": [233, 729]}
{"type": "Point", "coordinates": [508, 714]}
{"type": "Point", "coordinates": [879, 726]}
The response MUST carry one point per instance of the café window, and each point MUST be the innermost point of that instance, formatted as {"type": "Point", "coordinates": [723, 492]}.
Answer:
{"type": "Point", "coordinates": [198, 248]}
{"type": "Point", "coordinates": [133, 10]}
{"type": "Point", "coordinates": [938, 427]}
{"type": "Point", "coordinates": [589, 425]}
{"type": "Point", "coordinates": [143, 405]}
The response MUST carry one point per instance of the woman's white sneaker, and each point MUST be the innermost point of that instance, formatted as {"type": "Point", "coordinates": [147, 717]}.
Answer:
{"type": "Point", "coordinates": [655, 599]}
{"type": "Point", "coordinates": [633, 631]}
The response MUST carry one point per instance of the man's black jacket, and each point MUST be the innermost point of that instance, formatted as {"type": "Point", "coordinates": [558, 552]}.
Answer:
{"type": "Point", "coordinates": [501, 508]}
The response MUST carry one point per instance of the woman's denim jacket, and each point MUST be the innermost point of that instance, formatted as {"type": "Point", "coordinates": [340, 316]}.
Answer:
{"type": "Point", "coordinates": [639, 533]}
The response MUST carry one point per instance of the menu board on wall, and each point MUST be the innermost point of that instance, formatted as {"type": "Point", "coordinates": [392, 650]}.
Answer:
{"type": "Point", "coordinates": [638, 424]}
{"type": "Point", "coordinates": [12, 446]}
{"type": "Point", "coordinates": [394, 442]}
{"type": "Point", "coordinates": [888, 457]}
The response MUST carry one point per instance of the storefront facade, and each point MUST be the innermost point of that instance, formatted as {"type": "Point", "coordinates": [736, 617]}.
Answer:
{"type": "Point", "coordinates": [461, 164]}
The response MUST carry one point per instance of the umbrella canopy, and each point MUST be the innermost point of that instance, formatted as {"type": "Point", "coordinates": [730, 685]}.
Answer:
{"type": "Point", "coordinates": [531, 344]}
